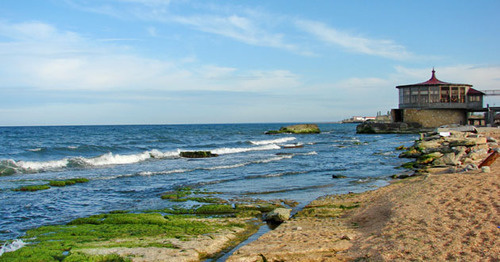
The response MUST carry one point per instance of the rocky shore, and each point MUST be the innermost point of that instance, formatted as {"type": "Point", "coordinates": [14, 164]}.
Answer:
{"type": "Point", "coordinates": [434, 216]}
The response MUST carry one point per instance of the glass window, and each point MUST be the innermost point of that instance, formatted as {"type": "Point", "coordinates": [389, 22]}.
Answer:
{"type": "Point", "coordinates": [462, 94]}
{"type": "Point", "coordinates": [445, 94]}
{"type": "Point", "coordinates": [454, 94]}
{"type": "Point", "coordinates": [434, 94]}
{"type": "Point", "coordinates": [406, 95]}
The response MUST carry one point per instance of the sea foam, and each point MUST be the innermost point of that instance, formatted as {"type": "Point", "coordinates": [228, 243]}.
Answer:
{"type": "Point", "coordinates": [273, 141]}
{"type": "Point", "coordinates": [222, 151]}
{"type": "Point", "coordinates": [10, 247]}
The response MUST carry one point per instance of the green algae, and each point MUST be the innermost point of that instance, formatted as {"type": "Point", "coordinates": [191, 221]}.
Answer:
{"type": "Point", "coordinates": [52, 183]}
{"type": "Point", "coordinates": [32, 188]}
{"type": "Point", "coordinates": [66, 242]}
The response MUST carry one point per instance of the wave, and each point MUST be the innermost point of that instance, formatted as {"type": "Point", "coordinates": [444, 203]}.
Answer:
{"type": "Point", "coordinates": [38, 149]}
{"type": "Point", "coordinates": [225, 150]}
{"type": "Point", "coordinates": [10, 247]}
{"type": "Point", "coordinates": [8, 167]}
{"type": "Point", "coordinates": [273, 141]}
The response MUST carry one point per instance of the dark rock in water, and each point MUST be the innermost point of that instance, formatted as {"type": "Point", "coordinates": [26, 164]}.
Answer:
{"type": "Point", "coordinates": [197, 154]}
{"type": "Point", "coordinates": [284, 154]}
{"type": "Point", "coordinates": [278, 215]}
{"type": "Point", "coordinates": [338, 176]}
{"type": "Point", "coordinates": [389, 128]}
{"type": "Point", "coordinates": [297, 129]}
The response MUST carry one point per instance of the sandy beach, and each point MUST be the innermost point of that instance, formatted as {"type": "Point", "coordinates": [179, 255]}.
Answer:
{"type": "Point", "coordinates": [434, 217]}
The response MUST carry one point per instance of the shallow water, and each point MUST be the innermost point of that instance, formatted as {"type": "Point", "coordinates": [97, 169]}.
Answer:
{"type": "Point", "coordinates": [130, 166]}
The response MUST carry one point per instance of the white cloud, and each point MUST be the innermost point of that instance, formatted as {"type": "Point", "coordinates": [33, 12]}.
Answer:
{"type": "Point", "coordinates": [358, 44]}
{"type": "Point", "coordinates": [60, 60]}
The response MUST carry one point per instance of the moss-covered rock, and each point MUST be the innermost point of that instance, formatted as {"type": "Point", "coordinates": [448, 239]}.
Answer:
{"type": "Point", "coordinates": [32, 188]}
{"type": "Point", "coordinates": [297, 129]}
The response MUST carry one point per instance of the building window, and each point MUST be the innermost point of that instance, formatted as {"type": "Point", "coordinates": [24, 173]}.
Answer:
{"type": "Point", "coordinates": [462, 94]}
{"type": "Point", "coordinates": [454, 94]}
{"type": "Point", "coordinates": [424, 95]}
{"type": "Point", "coordinates": [445, 94]}
{"type": "Point", "coordinates": [474, 98]}
{"type": "Point", "coordinates": [406, 95]}
{"type": "Point", "coordinates": [434, 94]}
{"type": "Point", "coordinates": [414, 95]}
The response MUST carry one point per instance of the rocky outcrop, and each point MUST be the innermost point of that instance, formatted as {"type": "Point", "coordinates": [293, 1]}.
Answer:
{"type": "Point", "coordinates": [452, 151]}
{"type": "Point", "coordinates": [197, 154]}
{"type": "Point", "coordinates": [278, 215]}
{"type": "Point", "coordinates": [297, 129]}
{"type": "Point", "coordinates": [370, 127]}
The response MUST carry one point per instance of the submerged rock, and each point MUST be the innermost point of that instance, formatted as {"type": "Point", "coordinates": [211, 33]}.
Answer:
{"type": "Point", "coordinates": [297, 129]}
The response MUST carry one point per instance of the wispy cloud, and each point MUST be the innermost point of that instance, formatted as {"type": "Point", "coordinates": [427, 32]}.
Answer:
{"type": "Point", "coordinates": [41, 56]}
{"type": "Point", "coordinates": [357, 44]}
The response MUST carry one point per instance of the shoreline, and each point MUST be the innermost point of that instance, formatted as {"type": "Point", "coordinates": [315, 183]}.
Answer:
{"type": "Point", "coordinates": [432, 217]}
{"type": "Point", "coordinates": [452, 216]}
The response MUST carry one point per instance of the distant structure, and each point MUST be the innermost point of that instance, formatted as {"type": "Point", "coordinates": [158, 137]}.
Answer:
{"type": "Point", "coordinates": [435, 103]}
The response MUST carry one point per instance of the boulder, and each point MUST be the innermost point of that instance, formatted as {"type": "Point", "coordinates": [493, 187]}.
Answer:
{"type": "Point", "coordinates": [278, 215]}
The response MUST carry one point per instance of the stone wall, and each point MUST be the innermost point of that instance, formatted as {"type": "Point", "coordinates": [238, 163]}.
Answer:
{"type": "Point", "coordinates": [435, 117]}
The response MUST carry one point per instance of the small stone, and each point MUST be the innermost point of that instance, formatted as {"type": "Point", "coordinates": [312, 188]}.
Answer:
{"type": "Point", "coordinates": [298, 228]}
{"type": "Point", "coordinates": [485, 169]}
{"type": "Point", "coordinates": [346, 237]}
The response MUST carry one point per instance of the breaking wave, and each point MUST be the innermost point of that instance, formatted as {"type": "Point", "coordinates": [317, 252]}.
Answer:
{"type": "Point", "coordinates": [9, 167]}
{"type": "Point", "coordinates": [222, 151]}
{"type": "Point", "coordinates": [273, 141]}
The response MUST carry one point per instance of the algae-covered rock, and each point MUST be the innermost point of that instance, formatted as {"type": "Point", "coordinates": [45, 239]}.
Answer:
{"type": "Point", "coordinates": [278, 215]}
{"type": "Point", "coordinates": [297, 129]}
{"type": "Point", "coordinates": [197, 154]}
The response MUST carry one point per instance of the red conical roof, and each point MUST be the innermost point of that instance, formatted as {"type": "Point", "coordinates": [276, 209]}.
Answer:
{"type": "Point", "coordinates": [433, 80]}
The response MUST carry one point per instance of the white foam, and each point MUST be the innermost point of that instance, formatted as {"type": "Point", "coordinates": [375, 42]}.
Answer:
{"type": "Point", "coordinates": [227, 167]}
{"type": "Point", "coordinates": [10, 247]}
{"type": "Point", "coordinates": [273, 141]}
{"type": "Point", "coordinates": [222, 151]}
{"type": "Point", "coordinates": [103, 160]}
{"type": "Point", "coordinates": [38, 149]}
{"type": "Point", "coordinates": [36, 166]}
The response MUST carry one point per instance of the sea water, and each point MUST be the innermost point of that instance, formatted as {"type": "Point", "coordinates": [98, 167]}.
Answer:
{"type": "Point", "coordinates": [129, 167]}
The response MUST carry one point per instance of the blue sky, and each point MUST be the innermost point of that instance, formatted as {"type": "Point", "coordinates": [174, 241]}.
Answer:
{"type": "Point", "coordinates": [65, 62]}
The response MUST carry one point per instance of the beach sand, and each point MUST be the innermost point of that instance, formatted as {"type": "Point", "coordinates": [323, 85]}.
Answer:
{"type": "Point", "coordinates": [435, 217]}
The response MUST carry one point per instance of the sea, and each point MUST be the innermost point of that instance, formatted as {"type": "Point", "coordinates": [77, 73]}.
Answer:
{"type": "Point", "coordinates": [129, 167]}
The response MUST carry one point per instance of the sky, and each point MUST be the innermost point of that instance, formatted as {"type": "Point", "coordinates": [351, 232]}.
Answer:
{"type": "Point", "coordinates": [89, 62]}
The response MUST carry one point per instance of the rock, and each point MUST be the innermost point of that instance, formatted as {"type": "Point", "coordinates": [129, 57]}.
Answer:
{"type": "Point", "coordinates": [478, 154]}
{"type": "Point", "coordinates": [491, 140]}
{"type": "Point", "coordinates": [197, 154]}
{"type": "Point", "coordinates": [471, 167]}
{"type": "Point", "coordinates": [450, 159]}
{"type": "Point", "coordinates": [297, 129]}
{"type": "Point", "coordinates": [388, 128]}
{"type": "Point", "coordinates": [485, 169]}
{"type": "Point", "coordinates": [338, 176]}
{"type": "Point", "coordinates": [278, 215]}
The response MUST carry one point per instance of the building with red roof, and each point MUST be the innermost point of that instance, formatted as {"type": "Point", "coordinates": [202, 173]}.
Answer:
{"type": "Point", "coordinates": [435, 103]}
